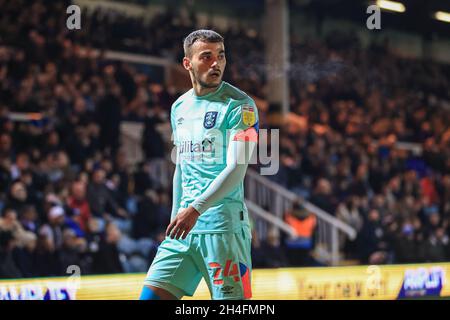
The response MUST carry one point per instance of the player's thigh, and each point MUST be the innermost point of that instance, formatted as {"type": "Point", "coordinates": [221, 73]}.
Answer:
{"type": "Point", "coordinates": [227, 264]}
{"type": "Point", "coordinates": [173, 268]}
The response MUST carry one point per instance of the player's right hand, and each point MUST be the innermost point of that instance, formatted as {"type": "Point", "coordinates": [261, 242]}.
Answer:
{"type": "Point", "coordinates": [183, 223]}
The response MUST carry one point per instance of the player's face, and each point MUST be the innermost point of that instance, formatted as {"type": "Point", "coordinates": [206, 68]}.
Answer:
{"type": "Point", "coordinates": [207, 63]}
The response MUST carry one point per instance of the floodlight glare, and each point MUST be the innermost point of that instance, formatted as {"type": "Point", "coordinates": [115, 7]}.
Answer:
{"type": "Point", "coordinates": [391, 5]}
{"type": "Point", "coordinates": [442, 16]}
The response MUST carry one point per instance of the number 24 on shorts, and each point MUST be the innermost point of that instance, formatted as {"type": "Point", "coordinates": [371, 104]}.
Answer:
{"type": "Point", "coordinates": [226, 272]}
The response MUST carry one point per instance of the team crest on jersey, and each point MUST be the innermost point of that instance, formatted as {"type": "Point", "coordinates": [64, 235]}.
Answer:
{"type": "Point", "coordinates": [210, 119]}
{"type": "Point", "coordinates": [248, 115]}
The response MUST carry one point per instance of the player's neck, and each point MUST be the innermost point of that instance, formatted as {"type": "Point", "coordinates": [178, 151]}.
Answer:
{"type": "Point", "coordinates": [201, 90]}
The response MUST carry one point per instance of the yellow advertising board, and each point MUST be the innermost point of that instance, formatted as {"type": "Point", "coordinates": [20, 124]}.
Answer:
{"type": "Point", "coordinates": [360, 282]}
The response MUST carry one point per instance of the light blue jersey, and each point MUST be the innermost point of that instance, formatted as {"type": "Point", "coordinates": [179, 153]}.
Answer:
{"type": "Point", "coordinates": [202, 128]}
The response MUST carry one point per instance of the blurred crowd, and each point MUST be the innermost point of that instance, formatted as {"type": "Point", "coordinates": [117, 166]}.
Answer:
{"type": "Point", "coordinates": [69, 197]}
{"type": "Point", "coordinates": [368, 140]}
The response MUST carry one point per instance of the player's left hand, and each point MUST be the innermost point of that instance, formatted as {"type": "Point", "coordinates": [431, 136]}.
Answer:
{"type": "Point", "coordinates": [183, 223]}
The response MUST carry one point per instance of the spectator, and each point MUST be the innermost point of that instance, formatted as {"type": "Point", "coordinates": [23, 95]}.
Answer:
{"type": "Point", "coordinates": [433, 222]}
{"type": "Point", "coordinates": [71, 251]}
{"type": "Point", "coordinates": [6, 151]}
{"type": "Point", "coordinates": [348, 212]}
{"type": "Point", "coordinates": [268, 253]}
{"type": "Point", "coordinates": [124, 179]}
{"type": "Point", "coordinates": [79, 205]}
{"type": "Point", "coordinates": [322, 196]}
{"type": "Point", "coordinates": [304, 224]}
{"type": "Point", "coordinates": [146, 222]}
{"type": "Point", "coordinates": [47, 256]}
{"type": "Point", "coordinates": [405, 246]}
{"type": "Point", "coordinates": [8, 267]}
{"type": "Point", "coordinates": [100, 200]}
{"type": "Point", "coordinates": [54, 229]}
{"type": "Point", "coordinates": [142, 181]}
{"type": "Point", "coordinates": [110, 105]}
{"type": "Point", "coordinates": [9, 222]}
{"type": "Point", "coordinates": [22, 164]}
{"type": "Point", "coordinates": [18, 197]}
{"type": "Point", "coordinates": [29, 219]}
{"type": "Point", "coordinates": [163, 209]}
{"type": "Point", "coordinates": [108, 258]}
{"type": "Point", "coordinates": [371, 240]}
{"type": "Point", "coordinates": [152, 141]}
{"type": "Point", "coordinates": [25, 257]}
{"type": "Point", "coordinates": [437, 246]}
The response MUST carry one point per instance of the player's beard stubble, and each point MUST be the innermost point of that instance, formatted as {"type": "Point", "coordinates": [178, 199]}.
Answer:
{"type": "Point", "coordinates": [209, 85]}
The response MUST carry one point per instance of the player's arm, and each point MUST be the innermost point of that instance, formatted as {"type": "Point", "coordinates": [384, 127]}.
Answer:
{"type": "Point", "coordinates": [177, 191]}
{"type": "Point", "coordinates": [243, 125]}
{"type": "Point", "coordinates": [238, 156]}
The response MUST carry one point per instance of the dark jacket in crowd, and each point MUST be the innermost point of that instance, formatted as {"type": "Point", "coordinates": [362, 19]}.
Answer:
{"type": "Point", "coordinates": [100, 199]}
{"type": "Point", "coordinates": [107, 259]}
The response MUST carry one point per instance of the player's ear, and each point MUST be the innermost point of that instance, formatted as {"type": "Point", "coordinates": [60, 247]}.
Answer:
{"type": "Point", "coordinates": [187, 63]}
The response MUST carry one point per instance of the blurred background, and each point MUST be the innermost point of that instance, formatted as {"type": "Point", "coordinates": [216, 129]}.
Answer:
{"type": "Point", "coordinates": [364, 120]}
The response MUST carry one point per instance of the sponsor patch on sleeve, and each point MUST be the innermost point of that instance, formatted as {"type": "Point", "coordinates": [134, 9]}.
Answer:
{"type": "Point", "coordinates": [248, 115]}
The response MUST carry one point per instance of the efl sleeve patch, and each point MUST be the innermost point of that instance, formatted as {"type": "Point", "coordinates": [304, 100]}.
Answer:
{"type": "Point", "coordinates": [248, 115]}
{"type": "Point", "coordinates": [242, 118]}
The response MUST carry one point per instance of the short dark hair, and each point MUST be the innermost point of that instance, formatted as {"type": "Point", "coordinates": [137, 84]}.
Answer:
{"type": "Point", "coordinates": [200, 35]}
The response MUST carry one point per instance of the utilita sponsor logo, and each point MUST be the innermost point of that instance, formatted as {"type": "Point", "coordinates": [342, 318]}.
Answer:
{"type": "Point", "coordinates": [207, 145]}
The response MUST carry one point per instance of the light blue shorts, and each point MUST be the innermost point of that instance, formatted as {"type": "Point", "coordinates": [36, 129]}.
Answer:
{"type": "Point", "coordinates": [222, 259]}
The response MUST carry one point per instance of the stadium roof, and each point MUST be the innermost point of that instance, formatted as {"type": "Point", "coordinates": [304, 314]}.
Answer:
{"type": "Point", "coordinates": [417, 18]}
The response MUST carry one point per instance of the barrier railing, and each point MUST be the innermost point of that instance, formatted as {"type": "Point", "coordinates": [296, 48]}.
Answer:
{"type": "Point", "coordinates": [277, 200]}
